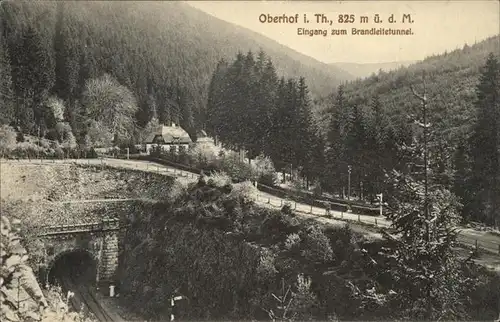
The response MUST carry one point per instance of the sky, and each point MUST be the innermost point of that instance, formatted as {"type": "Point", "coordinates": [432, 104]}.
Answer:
{"type": "Point", "coordinates": [437, 26]}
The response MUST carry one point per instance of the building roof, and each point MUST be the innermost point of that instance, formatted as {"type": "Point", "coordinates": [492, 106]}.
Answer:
{"type": "Point", "coordinates": [169, 135]}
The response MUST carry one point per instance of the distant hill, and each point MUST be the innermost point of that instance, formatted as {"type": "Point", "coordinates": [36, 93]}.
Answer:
{"type": "Point", "coordinates": [451, 80]}
{"type": "Point", "coordinates": [365, 70]}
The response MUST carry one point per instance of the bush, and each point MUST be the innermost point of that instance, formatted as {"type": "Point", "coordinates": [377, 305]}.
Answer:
{"type": "Point", "coordinates": [201, 155]}
{"type": "Point", "coordinates": [236, 169]}
{"type": "Point", "coordinates": [14, 269]}
{"type": "Point", "coordinates": [58, 310]}
{"type": "Point", "coordinates": [278, 226]}
{"type": "Point", "coordinates": [219, 179]}
{"type": "Point", "coordinates": [177, 190]}
{"type": "Point", "coordinates": [132, 149]}
{"type": "Point", "coordinates": [316, 246]}
{"type": "Point", "coordinates": [59, 153]}
{"type": "Point", "coordinates": [244, 190]}
{"type": "Point", "coordinates": [27, 150]}
{"type": "Point", "coordinates": [304, 300]}
{"type": "Point", "coordinates": [266, 269]}
{"type": "Point", "coordinates": [292, 242]}
{"type": "Point", "coordinates": [264, 168]}
{"type": "Point", "coordinates": [7, 139]}
{"type": "Point", "coordinates": [317, 189]}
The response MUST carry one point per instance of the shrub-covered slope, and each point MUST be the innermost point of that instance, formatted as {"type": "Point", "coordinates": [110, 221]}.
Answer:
{"type": "Point", "coordinates": [233, 260]}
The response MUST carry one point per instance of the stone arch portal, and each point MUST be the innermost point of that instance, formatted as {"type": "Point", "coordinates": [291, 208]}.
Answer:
{"type": "Point", "coordinates": [99, 241]}
{"type": "Point", "coordinates": [77, 262]}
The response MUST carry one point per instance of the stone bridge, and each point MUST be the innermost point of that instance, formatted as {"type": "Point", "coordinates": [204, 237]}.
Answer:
{"type": "Point", "coordinates": [100, 240]}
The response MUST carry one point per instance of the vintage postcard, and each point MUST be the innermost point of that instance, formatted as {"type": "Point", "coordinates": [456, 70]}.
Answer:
{"type": "Point", "coordinates": [250, 160]}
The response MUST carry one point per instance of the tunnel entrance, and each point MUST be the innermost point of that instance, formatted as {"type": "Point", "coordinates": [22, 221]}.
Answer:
{"type": "Point", "coordinates": [75, 267]}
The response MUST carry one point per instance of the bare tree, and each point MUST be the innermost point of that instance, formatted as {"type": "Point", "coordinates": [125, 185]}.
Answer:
{"type": "Point", "coordinates": [111, 104]}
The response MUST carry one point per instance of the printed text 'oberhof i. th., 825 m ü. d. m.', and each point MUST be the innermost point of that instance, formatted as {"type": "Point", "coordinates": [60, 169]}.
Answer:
{"type": "Point", "coordinates": [344, 24]}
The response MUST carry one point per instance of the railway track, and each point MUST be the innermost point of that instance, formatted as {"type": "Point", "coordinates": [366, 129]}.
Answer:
{"type": "Point", "coordinates": [85, 296]}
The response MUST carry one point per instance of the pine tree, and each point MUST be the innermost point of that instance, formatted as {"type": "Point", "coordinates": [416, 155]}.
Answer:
{"type": "Point", "coordinates": [377, 155]}
{"type": "Point", "coordinates": [424, 217]}
{"type": "Point", "coordinates": [266, 104]}
{"type": "Point", "coordinates": [279, 134]}
{"type": "Point", "coordinates": [67, 68]}
{"type": "Point", "coordinates": [6, 95]}
{"type": "Point", "coordinates": [251, 122]}
{"type": "Point", "coordinates": [216, 100]}
{"type": "Point", "coordinates": [288, 125]}
{"type": "Point", "coordinates": [305, 127]}
{"type": "Point", "coordinates": [60, 54]}
{"type": "Point", "coordinates": [234, 107]}
{"type": "Point", "coordinates": [33, 78]}
{"type": "Point", "coordinates": [335, 153]}
{"type": "Point", "coordinates": [163, 101]}
{"type": "Point", "coordinates": [355, 146]}
{"type": "Point", "coordinates": [485, 144]}
{"type": "Point", "coordinates": [461, 182]}
{"type": "Point", "coordinates": [187, 106]}
{"type": "Point", "coordinates": [260, 64]}
{"type": "Point", "coordinates": [144, 114]}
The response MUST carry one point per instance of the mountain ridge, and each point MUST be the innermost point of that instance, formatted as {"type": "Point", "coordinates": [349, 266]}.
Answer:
{"type": "Point", "coordinates": [450, 80]}
{"type": "Point", "coordinates": [366, 69]}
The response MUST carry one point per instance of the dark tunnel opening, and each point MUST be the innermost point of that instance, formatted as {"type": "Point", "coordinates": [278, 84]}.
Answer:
{"type": "Point", "coordinates": [75, 267]}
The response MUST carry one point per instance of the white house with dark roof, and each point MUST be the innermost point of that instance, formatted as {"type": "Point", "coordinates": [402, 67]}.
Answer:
{"type": "Point", "coordinates": [168, 138]}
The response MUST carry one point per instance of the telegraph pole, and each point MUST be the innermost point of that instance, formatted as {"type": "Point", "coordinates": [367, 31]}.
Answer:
{"type": "Point", "coordinates": [349, 169]}
{"type": "Point", "coordinates": [381, 199]}
{"type": "Point", "coordinates": [172, 305]}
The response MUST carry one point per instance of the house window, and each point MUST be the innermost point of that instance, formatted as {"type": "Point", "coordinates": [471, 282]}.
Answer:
{"type": "Point", "coordinates": [173, 149]}
{"type": "Point", "coordinates": [182, 149]}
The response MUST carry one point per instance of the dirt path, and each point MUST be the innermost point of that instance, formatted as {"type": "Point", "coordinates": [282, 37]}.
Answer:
{"type": "Point", "coordinates": [485, 241]}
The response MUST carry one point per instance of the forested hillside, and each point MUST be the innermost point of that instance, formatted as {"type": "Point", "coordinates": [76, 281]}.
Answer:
{"type": "Point", "coordinates": [368, 128]}
{"type": "Point", "coordinates": [462, 103]}
{"type": "Point", "coordinates": [450, 80]}
{"type": "Point", "coordinates": [163, 52]}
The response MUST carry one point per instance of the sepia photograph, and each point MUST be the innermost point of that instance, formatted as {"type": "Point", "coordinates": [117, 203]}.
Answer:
{"type": "Point", "coordinates": [249, 160]}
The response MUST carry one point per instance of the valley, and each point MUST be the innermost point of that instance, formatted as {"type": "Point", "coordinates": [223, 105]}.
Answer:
{"type": "Point", "coordinates": [159, 161]}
